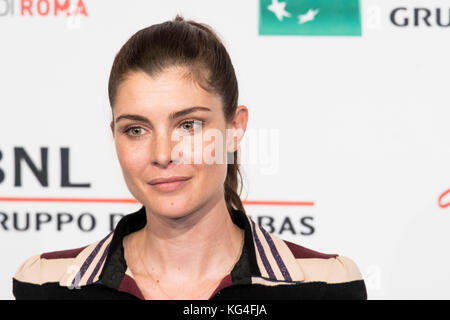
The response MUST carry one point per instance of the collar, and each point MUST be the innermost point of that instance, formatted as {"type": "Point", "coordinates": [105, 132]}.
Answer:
{"type": "Point", "coordinates": [265, 259]}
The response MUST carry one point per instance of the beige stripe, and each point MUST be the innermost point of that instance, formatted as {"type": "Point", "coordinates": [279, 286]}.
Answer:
{"type": "Point", "coordinates": [94, 262]}
{"type": "Point", "coordinates": [331, 270]}
{"type": "Point", "coordinates": [53, 269]}
{"type": "Point", "coordinates": [81, 258]}
{"type": "Point", "coordinates": [38, 271]}
{"type": "Point", "coordinates": [258, 257]}
{"type": "Point", "coordinates": [288, 259]}
{"type": "Point", "coordinates": [75, 267]}
{"type": "Point", "coordinates": [29, 271]}
{"type": "Point", "coordinates": [258, 280]}
{"type": "Point", "coordinates": [344, 269]}
{"type": "Point", "coordinates": [269, 255]}
{"type": "Point", "coordinates": [72, 271]}
{"type": "Point", "coordinates": [315, 269]}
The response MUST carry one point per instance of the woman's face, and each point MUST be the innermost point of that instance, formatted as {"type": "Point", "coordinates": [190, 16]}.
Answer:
{"type": "Point", "coordinates": [154, 141]}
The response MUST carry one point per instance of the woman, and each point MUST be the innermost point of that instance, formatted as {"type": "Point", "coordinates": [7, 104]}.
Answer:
{"type": "Point", "coordinates": [172, 88]}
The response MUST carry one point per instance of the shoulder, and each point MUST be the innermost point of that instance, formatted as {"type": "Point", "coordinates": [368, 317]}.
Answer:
{"type": "Point", "coordinates": [54, 269]}
{"type": "Point", "coordinates": [283, 262]}
{"type": "Point", "coordinates": [41, 269]}
{"type": "Point", "coordinates": [318, 266]}
{"type": "Point", "coordinates": [46, 267]}
{"type": "Point", "coordinates": [341, 274]}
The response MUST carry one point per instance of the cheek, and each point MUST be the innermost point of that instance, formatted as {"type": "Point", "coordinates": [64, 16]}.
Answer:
{"type": "Point", "coordinates": [210, 178]}
{"type": "Point", "coordinates": [207, 148]}
{"type": "Point", "coordinates": [206, 154]}
{"type": "Point", "coordinates": [213, 165]}
{"type": "Point", "coordinates": [132, 158]}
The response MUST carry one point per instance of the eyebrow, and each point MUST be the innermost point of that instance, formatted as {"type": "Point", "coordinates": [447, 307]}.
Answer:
{"type": "Point", "coordinates": [172, 116]}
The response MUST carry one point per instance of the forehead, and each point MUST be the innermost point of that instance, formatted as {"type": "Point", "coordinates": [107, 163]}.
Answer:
{"type": "Point", "coordinates": [171, 90]}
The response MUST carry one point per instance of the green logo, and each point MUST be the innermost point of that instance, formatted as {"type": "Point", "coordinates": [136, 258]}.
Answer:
{"type": "Point", "coordinates": [309, 17]}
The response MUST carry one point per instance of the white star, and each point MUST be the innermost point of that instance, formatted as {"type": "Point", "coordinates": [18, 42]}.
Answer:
{"type": "Point", "coordinates": [278, 8]}
{"type": "Point", "coordinates": [309, 16]}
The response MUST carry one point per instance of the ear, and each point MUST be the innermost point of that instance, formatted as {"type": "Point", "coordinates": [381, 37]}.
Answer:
{"type": "Point", "coordinates": [236, 129]}
{"type": "Point", "coordinates": [112, 127]}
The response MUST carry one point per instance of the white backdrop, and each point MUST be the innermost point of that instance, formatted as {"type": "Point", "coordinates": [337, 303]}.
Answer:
{"type": "Point", "coordinates": [363, 124]}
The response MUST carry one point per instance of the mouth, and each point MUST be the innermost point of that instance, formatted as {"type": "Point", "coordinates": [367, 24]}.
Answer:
{"type": "Point", "coordinates": [169, 184]}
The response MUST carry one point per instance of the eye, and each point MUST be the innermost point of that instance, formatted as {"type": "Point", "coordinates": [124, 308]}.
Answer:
{"type": "Point", "coordinates": [135, 131]}
{"type": "Point", "coordinates": [191, 125]}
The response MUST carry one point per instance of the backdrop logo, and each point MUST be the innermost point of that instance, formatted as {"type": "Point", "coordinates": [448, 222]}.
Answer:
{"type": "Point", "coordinates": [23, 166]}
{"type": "Point", "coordinates": [44, 8]}
{"type": "Point", "coordinates": [420, 17]}
{"type": "Point", "coordinates": [444, 199]}
{"type": "Point", "coordinates": [41, 171]}
{"type": "Point", "coordinates": [310, 17]}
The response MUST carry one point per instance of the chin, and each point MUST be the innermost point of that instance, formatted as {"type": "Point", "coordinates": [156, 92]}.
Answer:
{"type": "Point", "coordinates": [176, 207]}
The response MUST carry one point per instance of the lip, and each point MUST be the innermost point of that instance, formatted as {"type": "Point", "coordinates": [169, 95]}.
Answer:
{"type": "Point", "coordinates": [167, 180]}
{"type": "Point", "coordinates": [169, 184]}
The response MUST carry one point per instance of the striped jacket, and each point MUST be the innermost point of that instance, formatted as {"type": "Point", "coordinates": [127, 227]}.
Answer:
{"type": "Point", "coordinates": [268, 268]}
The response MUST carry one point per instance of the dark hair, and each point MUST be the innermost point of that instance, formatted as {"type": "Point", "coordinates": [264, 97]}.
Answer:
{"type": "Point", "coordinates": [193, 45]}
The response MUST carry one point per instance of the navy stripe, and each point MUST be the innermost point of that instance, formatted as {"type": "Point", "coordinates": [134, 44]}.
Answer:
{"type": "Point", "coordinates": [262, 253]}
{"type": "Point", "coordinates": [276, 255]}
{"type": "Point", "coordinates": [99, 263]}
{"type": "Point", "coordinates": [88, 262]}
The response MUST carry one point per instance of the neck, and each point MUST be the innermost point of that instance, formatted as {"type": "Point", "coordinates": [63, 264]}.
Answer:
{"type": "Point", "coordinates": [201, 245]}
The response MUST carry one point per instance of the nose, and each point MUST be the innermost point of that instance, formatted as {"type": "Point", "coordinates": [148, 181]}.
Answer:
{"type": "Point", "coordinates": [161, 150]}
